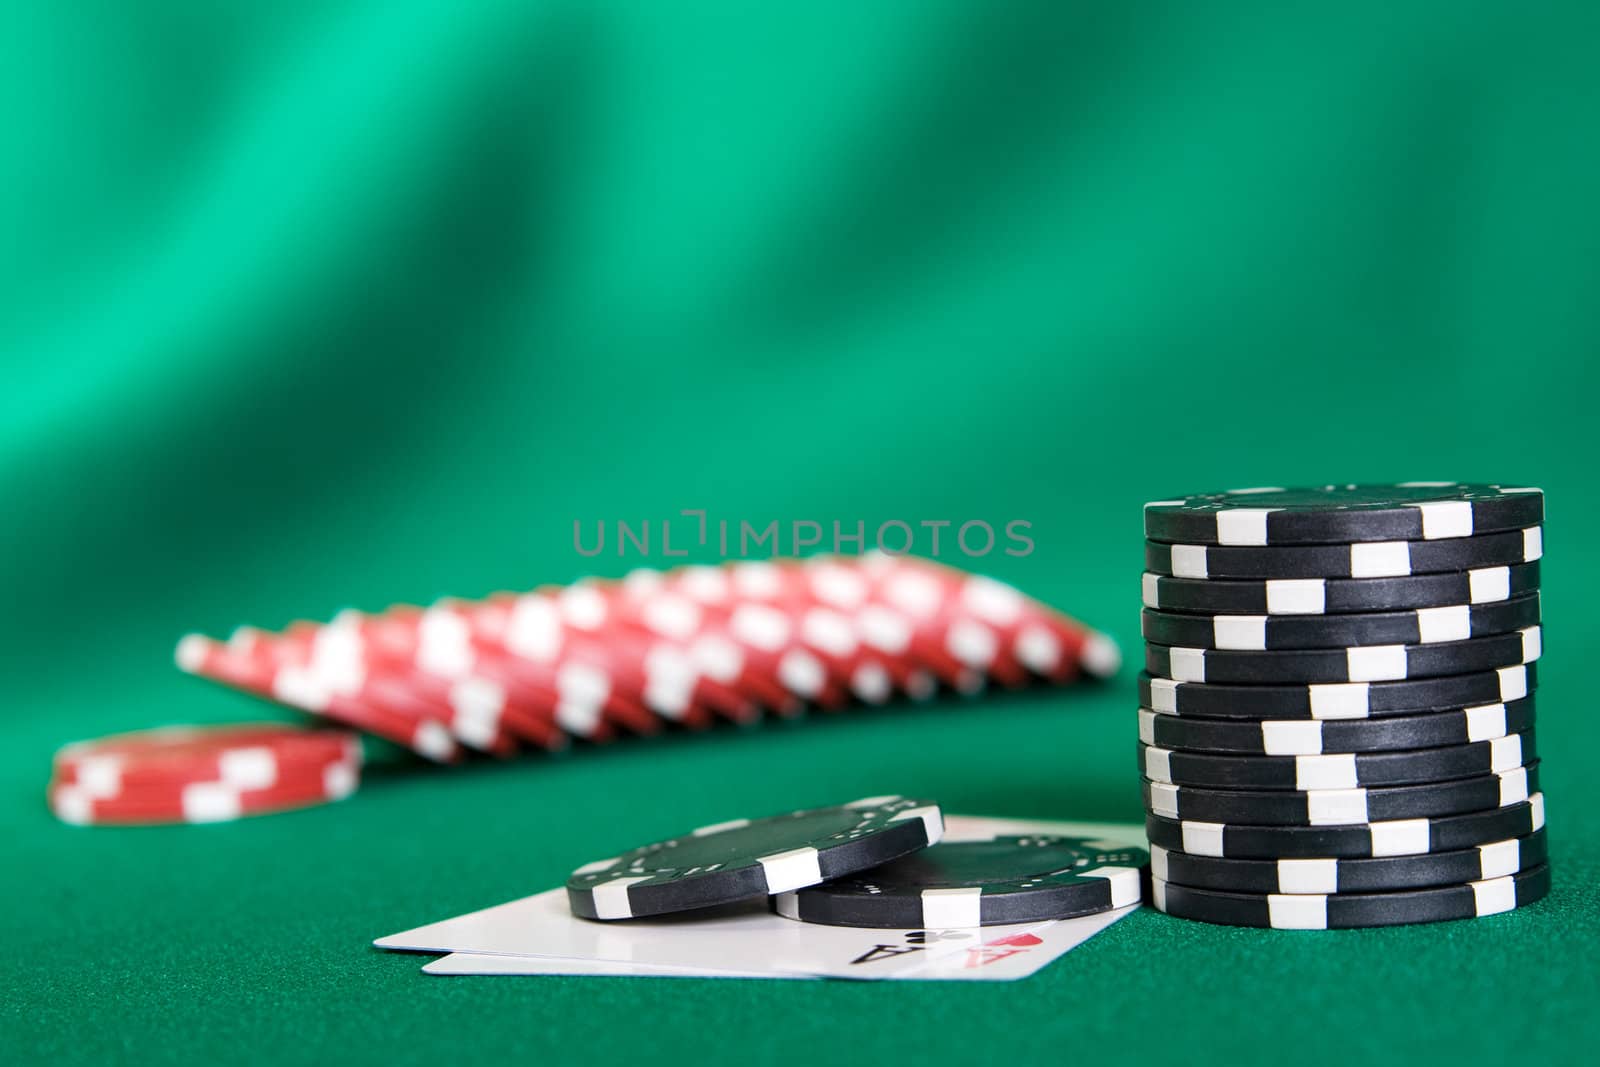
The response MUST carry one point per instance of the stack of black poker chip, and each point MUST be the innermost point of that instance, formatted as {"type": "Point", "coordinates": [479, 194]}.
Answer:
{"type": "Point", "coordinates": [1336, 723]}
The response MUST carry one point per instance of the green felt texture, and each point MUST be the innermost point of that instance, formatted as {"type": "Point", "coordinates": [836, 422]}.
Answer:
{"type": "Point", "coordinates": [305, 306]}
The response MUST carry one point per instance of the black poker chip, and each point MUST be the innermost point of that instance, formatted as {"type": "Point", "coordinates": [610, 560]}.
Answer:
{"type": "Point", "coordinates": [1363, 559]}
{"type": "Point", "coordinates": [1338, 596]}
{"type": "Point", "coordinates": [1328, 912]}
{"type": "Point", "coordinates": [1311, 737]}
{"type": "Point", "coordinates": [742, 859]}
{"type": "Point", "coordinates": [1265, 633]}
{"type": "Point", "coordinates": [1408, 511]}
{"type": "Point", "coordinates": [956, 884]}
{"type": "Point", "coordinates": [1337, 807]}
{"type": "Point", "coordinates": [1348, 700]}
{"type": "Point", "coordinates": [1494, 859]}
{"type": "Point", "coordinates": [1364, 663]}
{"type": "Point", "coordinates": [1336, 770]}
{"type": "Point", "coordinates": [1405, 837]}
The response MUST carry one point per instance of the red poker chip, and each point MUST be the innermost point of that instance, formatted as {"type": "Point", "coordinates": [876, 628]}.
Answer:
{"type": "Point", "coordinates": [81, 804]}
{"type": "Point", "coordinates": [308, 779]}
{"type": "Point", "coordinates": [244, 756]}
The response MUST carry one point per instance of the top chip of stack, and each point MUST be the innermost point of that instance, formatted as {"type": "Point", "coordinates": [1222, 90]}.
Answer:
{"type": "Point", "coordinates": [1407, 511]}
{"type": "Point", "coordinates": [1371, 761]}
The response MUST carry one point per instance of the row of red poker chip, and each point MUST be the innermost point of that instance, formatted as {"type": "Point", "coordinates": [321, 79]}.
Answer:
{"type": "Point", "coordinates": [683, 647]}
{"type": "Point", "coordinates": [700, 570]}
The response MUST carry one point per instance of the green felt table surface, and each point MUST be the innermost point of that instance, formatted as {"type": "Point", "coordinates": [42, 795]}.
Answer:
{"type": "Point", "coordinates": [313, 306]}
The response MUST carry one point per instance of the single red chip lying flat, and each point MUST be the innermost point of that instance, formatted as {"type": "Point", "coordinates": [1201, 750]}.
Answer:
{"type": "Point", "coordinates": [200, 801]}
{"type": "Point", "coordinates": [244, 756]}
{"type": "Point", "coordinates": [202, 774]}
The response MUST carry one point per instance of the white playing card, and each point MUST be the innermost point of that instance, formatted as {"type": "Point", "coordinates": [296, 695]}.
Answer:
{"type": "Point", "coordinates": [1002, 954]}
{"type": "Point", "coordinates": [749, 939]}
{"type": "Point", "coordinates": [458, 963]}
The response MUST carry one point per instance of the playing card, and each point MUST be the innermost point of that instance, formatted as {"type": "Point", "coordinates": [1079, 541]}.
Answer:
{"type": "Point", "coordinates": [466, 963]}
{"type": "Point", "coordinates": [999, 953]}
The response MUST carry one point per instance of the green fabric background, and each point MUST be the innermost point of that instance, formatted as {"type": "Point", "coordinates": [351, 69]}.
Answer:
{"type": "Point", "coordinates": [308, 305]}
